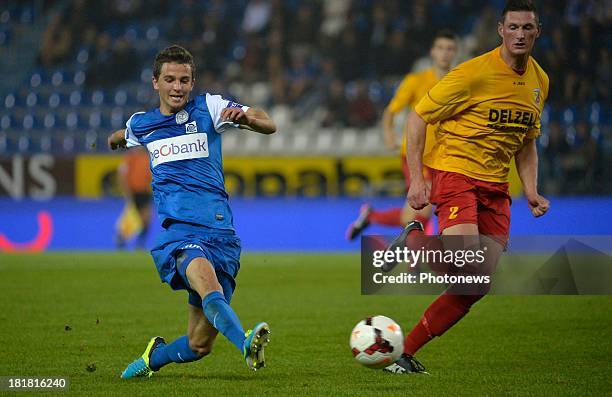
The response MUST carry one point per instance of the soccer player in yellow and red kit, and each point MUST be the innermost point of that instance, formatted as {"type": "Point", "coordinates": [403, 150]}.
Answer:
{"type": "Point", "coordinates": [488, 111]}
{"type": "Point", "coordinates": [412, 88]}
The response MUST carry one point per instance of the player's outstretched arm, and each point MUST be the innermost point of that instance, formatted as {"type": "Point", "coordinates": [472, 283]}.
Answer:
{"type": "Point", "coordinates": [527, 165]}
{"type": "Point", "coordinates": [117, 140]}
{"type": "Point", "coordinates": [388, 120]}
{"type": "Point", "coordinates": [253, 119]}
{"type": "Point", "coordinates": [418, 193]}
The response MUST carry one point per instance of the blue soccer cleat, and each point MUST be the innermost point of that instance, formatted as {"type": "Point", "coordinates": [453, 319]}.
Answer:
{"type": "Point", "coordinates": [140, 367]}
{"type": "Point", "coordinates": [253, 349]}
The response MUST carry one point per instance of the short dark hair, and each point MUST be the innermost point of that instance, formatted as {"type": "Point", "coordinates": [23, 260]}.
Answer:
{"type": "Point", "coordinates": [173, 54]}
{"type": "Point", "coordinates": [445, 34]}
{"type": "Point", "coordinates": [519, 5]}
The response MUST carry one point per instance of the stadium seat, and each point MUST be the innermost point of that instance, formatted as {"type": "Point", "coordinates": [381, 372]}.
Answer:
{"type": "Point", "coordinates": [117, 118]}
{"type": "Point", "coordinates": [95, 119]}
{"type": "Point", "coordinates": [79, 78]}
{"type": "Point", "coordinates": [9, 101]}
{"type": "Point", "coordinates": [372, 139]}
{"type": "Point", "coordinates": [75, 98]}
{"type": "Point", "coordinates": [6, 122]}
{"type": "Point", "coordinates": [569, 115]}
{"type": "Point", "coordinates": [49, 120]}
{"type": "Point", "coordinates": [23, 142]}
{"type": "Point", "coordinates": [57, 78]}
{"type": "Point", "coordinates": [324, 140]}
{"type": "Point", "coordinates": [55, 99]}
{"type": "Point", "coordinates": [152, 34]}
{"type": "Point", "coordinates": [35, 80]}
{"type": "Point", "coordinates": [72, 120]}
{"type": "Point", "coordinates": [301, 143]}
{"type": "Point", "coordinates": [31, 100]}
{"type": "Point", "coordinates": [121, 97]}
{"type": "Point", "coordinates": [348, 141]}
{"type": "Point", "coordinates": [277, 143]}
{"type": "Point", "coordinates": [97, 98]}
{"type": "Point", "coordinates": [90, 141]}
{"type": "Point", "coordinates": [251, 143]}
{"type": "Point", "coordinates": [230, 141]}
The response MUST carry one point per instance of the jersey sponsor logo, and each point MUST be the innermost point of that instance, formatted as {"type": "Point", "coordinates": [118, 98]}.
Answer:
{"type": "Point", "coordinates": [233, 105]}
{"type": "Point", "coordinates": [184, 147]}
{"type": "Point", "coordinates": [191, 128]}
{"type": "Point", "coordinates": [511, 116]}
{"type": "Point", "coordinates": [506, 120]}
{"type": "Point", "coordinates": [537, 96]}
{"type": "Point", "coordinates": [181, 117]}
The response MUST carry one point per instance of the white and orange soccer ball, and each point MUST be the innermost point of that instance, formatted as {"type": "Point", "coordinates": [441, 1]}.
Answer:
{"type": "Point", "coordinates": [377, 342]}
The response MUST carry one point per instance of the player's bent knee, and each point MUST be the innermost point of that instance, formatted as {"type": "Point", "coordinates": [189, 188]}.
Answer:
{"type": "Point", "coordinates": [201, 347]}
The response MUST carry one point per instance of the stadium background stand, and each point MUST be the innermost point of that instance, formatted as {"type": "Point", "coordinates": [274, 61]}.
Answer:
{"type": "Point", "coordinates": [73, 70]}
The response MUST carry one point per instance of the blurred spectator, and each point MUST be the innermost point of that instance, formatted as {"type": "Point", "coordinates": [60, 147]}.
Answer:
{"type": "Point", "coordinates": [117, 58]}
{"type": "Point", "coordinates": [56, 42]}
{"type": "Point", "coordinates": [396, 57]}
{"type": "Point", "coordinates": [553, 158]}
{"type": "Point", "coordinates": [349, 55]}
{"type": "Point", "coordinates": [580, 163]}
{"type": "Point", "coordinates": [305, 27]}
{"type": "Point", "coordinates": [256, 16]}
{"type": "Point", "coordinates": [603, 75]}
{"type": "Point", "coordinates": [360, 108]}
{"type": "Point", "coordinates": [334, 17]}
{"type": "Point", "coordinates": [135, 181]}
{"type": "Point", "coordinates": [335, 106]}
{"type": "Point", "coordinates": [485, 40]}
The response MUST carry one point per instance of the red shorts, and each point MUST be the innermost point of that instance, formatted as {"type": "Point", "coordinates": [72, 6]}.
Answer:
{"type": "Point", "coordinates": [460, 199]}
{"type": "Point", "coordinates": [406, 171]}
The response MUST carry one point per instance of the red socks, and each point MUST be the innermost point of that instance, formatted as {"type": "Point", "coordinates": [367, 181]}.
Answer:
{"type": "Point", "coordinates": [390, 217]}
{"type": "Point", "coordinates": [441, 315]}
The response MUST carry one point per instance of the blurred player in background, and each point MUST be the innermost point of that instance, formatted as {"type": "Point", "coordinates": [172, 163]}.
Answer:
{"type": "Point", "coordinates": [412, 88]}
{"type": "Point", "coordinates": [198, 250]}
{"type": "Point", "coordinates": [135, 182]}
{"type": "Point", "coordinates": [488, 111]}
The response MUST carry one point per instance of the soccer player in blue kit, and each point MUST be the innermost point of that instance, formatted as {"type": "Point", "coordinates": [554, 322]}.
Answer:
{"type": "Point", "coordinates": [198, 250]}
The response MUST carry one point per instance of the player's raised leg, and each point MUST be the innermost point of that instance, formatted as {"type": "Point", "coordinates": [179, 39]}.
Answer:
{"type": "Point", "coordinates": [453, 304]}
{"type": "Point", "coordinates": [202, 279]}
{"type": "Point", "coordinates": [196, 344]}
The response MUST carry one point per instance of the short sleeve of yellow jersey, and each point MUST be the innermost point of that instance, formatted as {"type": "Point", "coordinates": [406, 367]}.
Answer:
{"type": "Point", "coordinates": [450, 96]}
{"type": "Point", "coordinates": [404, 95]}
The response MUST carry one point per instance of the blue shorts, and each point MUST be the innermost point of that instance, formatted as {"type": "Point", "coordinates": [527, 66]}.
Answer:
{"type": "Point", "coordinates": [187, 242]}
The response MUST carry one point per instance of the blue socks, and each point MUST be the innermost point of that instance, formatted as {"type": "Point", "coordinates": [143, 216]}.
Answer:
{"type": "Point", "coordinates": [223, 318]}
{"type": "Point", "coordinates": [220, 315]}
{"type": "Point", "coordinates": [175, 352]}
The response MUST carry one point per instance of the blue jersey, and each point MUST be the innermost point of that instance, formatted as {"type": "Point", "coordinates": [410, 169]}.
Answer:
{"type": "Point", "coordinates": [186, 163]}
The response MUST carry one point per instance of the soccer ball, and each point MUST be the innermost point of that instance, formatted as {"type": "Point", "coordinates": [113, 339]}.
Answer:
{"type": "Point", "coordinates": [377, 342]}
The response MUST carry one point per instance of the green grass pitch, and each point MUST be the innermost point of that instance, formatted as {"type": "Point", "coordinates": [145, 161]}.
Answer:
{"type": "Point", "coordinates": [85, 316]}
